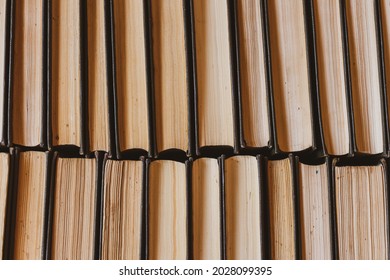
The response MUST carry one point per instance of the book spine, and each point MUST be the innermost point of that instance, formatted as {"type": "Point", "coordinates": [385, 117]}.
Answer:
{"type": "Point", "coordinates": [190, 33]}
{"type": "Point", "coordinates": [332, 208]}
{"type": "Point", "coordinates": [144, 210]}
{"type": "Point", "coordinates": [8, 62]}
{"type": "Point", "coordinates": [295, 196]}
{"type": "Point", "coordinates": [100, 204]}
{"type": "Point", "coordinates": [191, 77]}
{"type": "Point", "coordinates": [271, 101]}
{"type": "Point", "coordinates": [235, 72]}
{"type": "Point", "coordinates": [100, 163]}
{"type": "Point", "coordinates": [150, 78]}
{"type": "Point", "coordinates": [311, 50]}
{"type": "Point", "coordinates": [111, 76]}
{"type": "Point", "coordinates": [50, 204]}
{"type": "Point", "coordinates": [84, 131]}
{"type": "Point", "coordinates": [221, 163]}
{"type": "Point", "coordinates": [47, 196]}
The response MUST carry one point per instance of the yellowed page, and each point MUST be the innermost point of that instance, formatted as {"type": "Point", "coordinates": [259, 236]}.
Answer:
{"type": "Point", "coordinates": [28, 73]}
{"type": "Point", "coordinates": [121, 237]}
{"type": "Point", "coordinates": [131, 74]}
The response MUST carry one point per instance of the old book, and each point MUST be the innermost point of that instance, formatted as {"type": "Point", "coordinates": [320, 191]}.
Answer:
{"type": "Point", "coordinates": [365, 80]}
{"type": "Point", "coordinates": [131, 78]}
{"type": "Point", "coordinates": [253, 79]}
{"type": "Point", "coordinates": [170, 75]}
{"type": "Point", "coordinates": [242, 207]}
{"type": "Point", "coordinates": [213, 73]}
{"type": "Point", "coordinates": [4, 179]}
{"type": "Point", "coordinates": [122, 210]}
{"type": "Point", "coordinates": [167, 198]}
{"type": "Point", "coordinates": [206, 209]}
{"type": "Point", "coordinates": [281, 210]}
{"type": "Point", "coordinates": [3, 67]}
{"type": "Point", "coordinates": [74, 206]}
{"type": "Point", "coordinates": [30, 206]}
{"type": "Point", "coordinates": [331, 76]}
{"type": "Point", "coordinates": [315, 214]}
{"type": "Point", "coordinates": [290, 76]}
{"type": "Point", "coordinates": [99, 129]}
{"type": "Point", "coordinates": [385, 16]}
{"type": "Point", "coordinates": [361, 212]}
{"type": "Point", "coordinates": [66, 73]}
{"type": "Point", "coordinates": [28, 93]}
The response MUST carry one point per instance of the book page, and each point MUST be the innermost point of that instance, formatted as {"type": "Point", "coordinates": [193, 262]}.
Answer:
{"type": "Point", "coordinates": [122, 210]}
{"type": "Point", "coordinates": [290, 74]}
{"type": "Point", "coordinates": [99, 129]}
{"type": "Point", "coordinates": [361, 212]}
{"type": "Point", "coordinates": [253, 74]}
{"type": "Point", "coordinates": [131, 77]}
{"type": "Point", "coordinates": [315, 213]}
{"type": "Point", "coordinates": [206, 209]}
{"type": "Point", "coordinates": [331, 76]}
{"type": "Point", "coordinates": [167, 211]}
{"type": "Point", "coordinates": [74, 209]}
{"type": "Point", "coordinates": [170, 74]}
{"type": "Point", "coordinates": [214, 84]}
{"type": "Point", "coordinates": [28, 73]}
{"type": "Point", "coordinates": [281, 203]}
{"type": "Point", "coordinates": [66, 72]}
{"type": "Point", "coordinates": [242, 204]}
{"type": "Point", "coordinates": [364, 64]}
{"type": "Point", "coordinates": [30, 209]}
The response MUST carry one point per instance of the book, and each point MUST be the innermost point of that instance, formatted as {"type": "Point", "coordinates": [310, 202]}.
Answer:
{"type": "Point", "coordinates": [99, 128]}
{"type": "Point", "coordinates": [290, 75]}
{"type": "Point", "coordinates": [29, 231]}
{"type": "Point", "coordinates": [206, 209]}
{"type": "Point", "coordinates": [213, 73]}
{"type": "Point", "coordinates": [28, 92]}
{"type": "Point", "coordinates": [167, 211]}
{"type": "Point", "coordinates": [280, 191]}
{"type": "Point", "coordinates": [3, 69]}
{"type": "Point", "coordinates": [315, 212]}
{"type": "Point", "coordinates": [253, 74]}
{"type": "Point", "coordinates": [242, 208]}
{"type": "Point", "coordinates": [331, 76]}
{"type": "Point", "coordinates": [361, 212]}
{"type": "Point", "coordinates": [131, 77]}
{"type": "Point", "coordinates": [365, 76]}
{"type": "Point", "coordinates": [4, 181]}
{"type": "Point", "coordinates": [170, 75]}
{"type": "Point", "coordinates": [66, 73]}
{"type": "Point", "coordinates": [122, 210]}
{"type": "Point", "coordinates": [74, 206]}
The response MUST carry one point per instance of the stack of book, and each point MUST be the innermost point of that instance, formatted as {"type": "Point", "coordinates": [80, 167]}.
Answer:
{"type": "Point", "coordinates": [194, 129]}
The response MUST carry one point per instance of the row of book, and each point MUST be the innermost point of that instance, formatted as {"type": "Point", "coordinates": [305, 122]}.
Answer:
{"type": "Point", "coordinates": [239, 207]}
{"type": "Point", "coordinates": [144, 77]}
